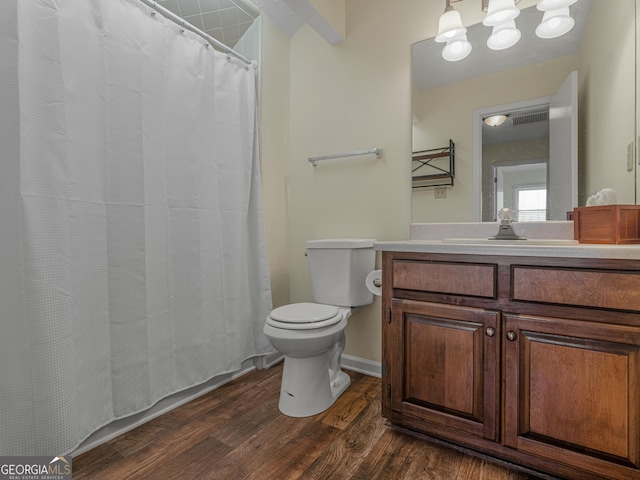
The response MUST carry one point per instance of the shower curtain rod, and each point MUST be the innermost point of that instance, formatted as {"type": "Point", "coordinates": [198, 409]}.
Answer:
{"type": "Point", "coordinates": [184, 24]}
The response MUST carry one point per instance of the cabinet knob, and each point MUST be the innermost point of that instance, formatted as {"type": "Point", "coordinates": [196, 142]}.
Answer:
{"type": "Point", "coordinates": [490, 331]}
{"type": "Point", "coordinates": [511, 336]}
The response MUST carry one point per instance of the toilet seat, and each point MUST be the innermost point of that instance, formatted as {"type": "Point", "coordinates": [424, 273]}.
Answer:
{"type": "Point", "coordinates": [304, 316]}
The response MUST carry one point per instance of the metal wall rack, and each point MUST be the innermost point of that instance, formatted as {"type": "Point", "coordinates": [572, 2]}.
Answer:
{"type": "Point", "coordinates": [429, 168]}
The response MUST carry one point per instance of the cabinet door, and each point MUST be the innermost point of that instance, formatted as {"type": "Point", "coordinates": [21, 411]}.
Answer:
{"type": "Point", "coordinates": [572, 393]}
{"type": "Point", "coordinates": [444, 367]}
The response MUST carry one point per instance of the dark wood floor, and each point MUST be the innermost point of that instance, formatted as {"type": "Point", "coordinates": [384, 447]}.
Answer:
{"type": "Point", "coordinates": [237, 432]}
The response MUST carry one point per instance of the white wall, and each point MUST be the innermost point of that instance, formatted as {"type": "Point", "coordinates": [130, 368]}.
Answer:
{"type": "Point", "coordinates": [607, 101]}
{"type": "Point", "coordinates": [274, 155]}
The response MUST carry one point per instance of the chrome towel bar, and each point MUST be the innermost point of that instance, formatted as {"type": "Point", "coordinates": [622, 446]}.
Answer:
{"type": "Point", "coordinates": [378, 152]}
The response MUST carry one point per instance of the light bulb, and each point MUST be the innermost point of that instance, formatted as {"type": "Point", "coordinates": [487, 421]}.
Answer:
{"type": "Point", "coordinates": [500, 11]}
{"type": "Point", "coordinates": [555, 23]}
{"type": "Point", "coordinates": [504, 36]}
{"type": "Point", "coordinates": [457, 49]}
{"type": "Point", "coordinates": [450, 26]}
{"type": "Point", "coordinates": [546, 5]}
{"type": "Point", "coordinates": [495, 120]}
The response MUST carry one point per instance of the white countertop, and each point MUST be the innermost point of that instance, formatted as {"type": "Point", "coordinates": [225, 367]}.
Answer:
{"type": "Point", "coordinates": [428, 238]}
{"type": "Point", "coordinates": [625, 252]}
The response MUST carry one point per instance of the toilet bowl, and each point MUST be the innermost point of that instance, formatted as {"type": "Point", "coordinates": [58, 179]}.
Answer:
{"type": "Point", "coordinates": [311, 335]}
{"type": "Point", "coordinates": [311, 338]}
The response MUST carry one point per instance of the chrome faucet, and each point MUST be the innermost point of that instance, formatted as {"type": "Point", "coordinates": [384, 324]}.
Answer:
{"type": "Point", "coordinates": [505, 230]}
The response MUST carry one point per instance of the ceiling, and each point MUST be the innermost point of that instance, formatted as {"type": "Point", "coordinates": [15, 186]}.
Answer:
{"type": "Point", "coordinates": [224, 20]}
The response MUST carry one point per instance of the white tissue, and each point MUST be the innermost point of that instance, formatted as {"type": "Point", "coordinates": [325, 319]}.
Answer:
{"type": "Point", "coordinates": [606, 196]}
{"type": "Point", "coordinates": [374, 275]}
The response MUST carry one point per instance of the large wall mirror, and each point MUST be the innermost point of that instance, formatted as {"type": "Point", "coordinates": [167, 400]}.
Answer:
{"type": "Point", "coordinates": [533, 83]}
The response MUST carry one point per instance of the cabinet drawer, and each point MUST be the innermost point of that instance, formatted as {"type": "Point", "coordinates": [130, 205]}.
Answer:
{"type": "Point", "coordinates": [584, 288]}
{"type": "Point", "coordinates": [477, 280]}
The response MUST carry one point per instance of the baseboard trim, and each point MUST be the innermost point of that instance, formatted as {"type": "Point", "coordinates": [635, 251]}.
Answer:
{"type": "Point", "coordinates": [362, 365]}
{"type": "Point", "coordinates": [268, 361]}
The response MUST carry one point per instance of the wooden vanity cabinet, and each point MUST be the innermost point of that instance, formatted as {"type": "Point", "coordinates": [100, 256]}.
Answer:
{"type": "Point", "coordinates": [534, 361]}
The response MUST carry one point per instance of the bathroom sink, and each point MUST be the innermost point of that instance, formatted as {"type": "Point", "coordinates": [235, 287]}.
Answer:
{"type": "Point", "coordinates": [520, 243]}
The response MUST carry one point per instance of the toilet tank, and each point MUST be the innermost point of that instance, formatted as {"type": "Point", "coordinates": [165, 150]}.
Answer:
{"type": "Point", "coordinates": [338, 268]}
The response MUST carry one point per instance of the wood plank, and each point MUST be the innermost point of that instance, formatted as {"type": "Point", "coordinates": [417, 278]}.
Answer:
{"type": "Point", "coordinates": [96, 460]}
{"type": "Point", "coordinates": [343, 456]}
{"type": "Point", "coordinates": [476, 469]}
{"type": "Point", "coordinates": [390, 459]}
{"type": "Point", "coordinates": [438, 463]}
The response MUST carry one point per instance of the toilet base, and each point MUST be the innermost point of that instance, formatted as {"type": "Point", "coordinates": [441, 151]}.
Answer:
{"type": "Point", "coordinates": [309, 386]}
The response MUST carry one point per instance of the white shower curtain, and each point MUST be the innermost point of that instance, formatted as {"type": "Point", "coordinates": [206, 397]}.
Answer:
{"type": "Point", "coordinates": [132, 253]}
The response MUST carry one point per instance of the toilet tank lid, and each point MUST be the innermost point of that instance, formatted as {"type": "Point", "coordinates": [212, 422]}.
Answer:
{"type": "Point", "coordinates": [341, 243]}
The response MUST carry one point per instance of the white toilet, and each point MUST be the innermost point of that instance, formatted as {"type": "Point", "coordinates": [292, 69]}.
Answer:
{"type": "Point", "coordinates": [311, 335]}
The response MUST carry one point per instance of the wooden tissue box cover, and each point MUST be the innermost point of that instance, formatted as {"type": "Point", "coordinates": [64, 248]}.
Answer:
{"type": "Point", "coordinates": [617, 224]}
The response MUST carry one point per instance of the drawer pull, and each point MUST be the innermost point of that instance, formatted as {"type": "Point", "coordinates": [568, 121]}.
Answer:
{"type": "Point", "coordinates": [490, 331]}
{"type": "Point", "coordinates": [511, 336]}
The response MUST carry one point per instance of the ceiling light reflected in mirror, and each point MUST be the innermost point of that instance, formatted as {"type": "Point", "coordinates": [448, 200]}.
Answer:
{"type": "Point", "coordinates": [495, 120]}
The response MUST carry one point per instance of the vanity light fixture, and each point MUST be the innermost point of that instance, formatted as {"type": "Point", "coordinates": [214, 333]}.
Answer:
{"type": "Point", "coordinates": [450, 24]}
{"type": "Point", "coordinates": [495, 120]}
{"type": "Point", "coordinates": [501, 15]}
{"type": "Point", "coordinates": [452, 31]}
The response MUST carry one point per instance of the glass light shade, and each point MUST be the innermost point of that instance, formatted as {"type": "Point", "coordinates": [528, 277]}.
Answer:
{"type": "Point", "coordinates": [555, 23]}
{"type": "Point", "coordinates": [504, 36]}
{"type": "Point", "coordinates": [500, 11]}
{"type": "Point", "coordinates": [495, 120]}
{"type": "Point", "coordinates": [457, 49]}
{"type": "Point", "coordinates": [450, 26]}
{"type": "Point", "coordinates": [546, 5]}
